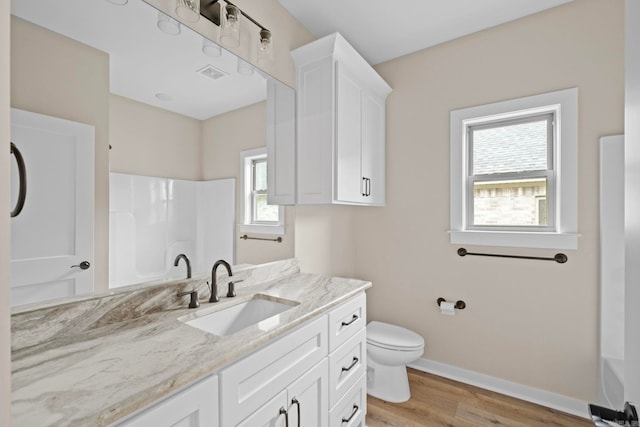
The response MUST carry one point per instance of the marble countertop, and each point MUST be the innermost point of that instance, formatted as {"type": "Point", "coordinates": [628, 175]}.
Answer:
{"type": "Point", "coordinates": [97, 360]}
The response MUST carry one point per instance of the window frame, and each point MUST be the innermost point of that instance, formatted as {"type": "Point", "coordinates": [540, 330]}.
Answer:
{"type": "Point", "coordinates": [548, 174]}
{"type": "Point", "coordinates": [563, 234]}
{"type": "Point", "coordinates": [248, 205]}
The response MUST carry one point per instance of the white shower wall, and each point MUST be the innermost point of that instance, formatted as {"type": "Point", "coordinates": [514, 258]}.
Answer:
{"type": "Point", "coordinates": [153, 219]}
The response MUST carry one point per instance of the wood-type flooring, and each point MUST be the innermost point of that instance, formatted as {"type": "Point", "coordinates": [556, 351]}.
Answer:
{"type": "Point", "coordinates": [437, 401]}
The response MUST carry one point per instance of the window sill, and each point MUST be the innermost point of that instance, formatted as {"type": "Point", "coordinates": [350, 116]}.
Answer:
{"type": "Point", "coordinates": [518, 239]}
{"type": "Point", "coordinates": [274, 230]}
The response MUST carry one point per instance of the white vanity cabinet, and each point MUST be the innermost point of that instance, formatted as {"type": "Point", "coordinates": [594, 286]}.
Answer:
{"type": "Point", "coordinates": [306, 377]}
{"type": "Point", "coordinates": [195, 406]}
{"type": "Point", "coordinates": [313, 376]}
{"type": "Point", "coordinates": [269, 379]}
{"type": "Point", "coordinates": [348, 363]}
{"type": "Point", "coordinates": [340, 136]}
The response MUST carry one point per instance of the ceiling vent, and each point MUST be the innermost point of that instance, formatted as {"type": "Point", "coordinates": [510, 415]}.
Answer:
{"type": "Point", "coordinates": [212, 72]}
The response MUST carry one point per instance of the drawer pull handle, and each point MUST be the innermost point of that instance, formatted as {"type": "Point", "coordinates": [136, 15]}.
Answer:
{"type": "Point", "coordinates": [353, 414]}
{"type": "Point", "coordinates": [353, 319]}
{"type": "Point", "coordinates": [296, 402]}
{"type": "Point", "coordinates": [353, 363]}
{"type": "Point", "coordinates": [286, 414]}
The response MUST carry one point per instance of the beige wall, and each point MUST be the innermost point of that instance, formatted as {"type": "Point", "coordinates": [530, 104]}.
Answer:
{"type": "Point", "coordinates": [59, 77]}
{"type": "Point", "coordinates": [530, 322]}
{"type": "Point", "coordinates": [5, 344]}
{"type": "Point", "coordinates": [146, 140]}
{"type": "Point", "coordinates": [224, 137]}
{"type": "Point", "coordinates": [325, 240]}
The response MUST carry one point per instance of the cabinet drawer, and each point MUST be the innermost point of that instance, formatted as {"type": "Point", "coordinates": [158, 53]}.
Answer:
{"type": "Point", "coordinates": [250, 383]}
{"type": "Point", "coordinates": [346, 365]}
{"type": "Point", "coordinates": [346, 320]}
{"type": "Point", "coordinates": [352, 408]}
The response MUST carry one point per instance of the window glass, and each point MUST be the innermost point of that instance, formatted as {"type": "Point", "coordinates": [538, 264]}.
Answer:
{"type": "Point", "coordinates": [262, 212]}
{"type": "Point", "coordinates": [510, 148]}
{"type": "Point", "coordinates": [519, 202]}
{"type": "Point", "coordinates": [510, 174]}
{"type": "Point", "coordinates": [260, 174]}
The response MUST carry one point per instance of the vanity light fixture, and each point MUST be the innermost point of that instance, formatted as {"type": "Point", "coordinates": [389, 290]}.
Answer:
{"type": "Point", "coordinates": [189, 10]}
{"type": "Point", "coordinates": [230, 25]}
{"type": "Point", "coordinates": [210, 48]}
{"type": "Point", "coordinates": [265, 47]}
{"type": "Point", "coordinates": [227, 16]}
{"type": "Point", "coordinates": [168, 25]}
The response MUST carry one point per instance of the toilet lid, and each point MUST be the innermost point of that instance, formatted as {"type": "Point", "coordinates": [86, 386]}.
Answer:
{"type": "Point", "coordinates": [392, 336]}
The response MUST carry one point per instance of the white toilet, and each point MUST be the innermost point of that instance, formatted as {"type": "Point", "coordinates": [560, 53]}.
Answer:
{"type": "Point", "coordinates": [389, 349]}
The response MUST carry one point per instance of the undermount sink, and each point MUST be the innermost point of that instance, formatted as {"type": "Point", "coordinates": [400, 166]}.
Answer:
{"type": "Point", "coordinates": [260, 309]}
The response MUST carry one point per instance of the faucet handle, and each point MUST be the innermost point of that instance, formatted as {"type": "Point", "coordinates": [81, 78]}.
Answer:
{"type": "Point", "coordinates": [193, 303]}
{"type": "Point", "coordinates": [231, 292]}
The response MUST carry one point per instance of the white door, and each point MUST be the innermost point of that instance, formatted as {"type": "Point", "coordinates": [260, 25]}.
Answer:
{"type": "Point", "coordinates": [54, 231]}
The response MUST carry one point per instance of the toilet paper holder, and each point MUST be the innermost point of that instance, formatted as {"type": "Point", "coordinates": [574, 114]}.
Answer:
{"type": "Point", "coordinates": [460, 305]}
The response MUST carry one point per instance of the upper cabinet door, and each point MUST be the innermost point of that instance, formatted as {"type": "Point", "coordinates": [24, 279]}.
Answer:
{"type": "Point", "coordinates": [340, 125]}
{"type": "Point", "coordinates": [373, 148]}
{"type": "Point", "coordinates": [350, 185]}
{"type": "Point", "coordinates": [315, 133]}
{"type": "Point", "coordinates": [281, 144]}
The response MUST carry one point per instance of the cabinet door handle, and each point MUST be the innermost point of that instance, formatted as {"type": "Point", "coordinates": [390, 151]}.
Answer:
{"type": "Point", "coordinates": [286, 414]}
{"type": "Point", "coordinates": [364, 186]}
{"type": "Point", "coordinates": [353, 414]}
{"type": "Point", "coordinates": [296, 402]}
{"type": "Point", "coordinates": [22, 180]}
{"type": "Point", "coordinates": [353, 319]}
{"type": "Point", "coordinates": [354, 362]}
{"type": "Point", "coordinates": [368, 187]}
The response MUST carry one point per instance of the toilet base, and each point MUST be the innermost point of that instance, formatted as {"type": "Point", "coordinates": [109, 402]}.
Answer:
{"type": "Point", "coordinates": [388, 383]}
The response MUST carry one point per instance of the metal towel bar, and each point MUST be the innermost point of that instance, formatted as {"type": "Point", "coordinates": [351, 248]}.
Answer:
{"type": "Point", "coordinates": [560, 258]}
{"type": "Point", "coordinates": [245, 237]}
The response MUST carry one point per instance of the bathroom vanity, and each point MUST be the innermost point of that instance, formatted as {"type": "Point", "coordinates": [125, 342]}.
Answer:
{"type": "Point", "coordinates": [130, 358]}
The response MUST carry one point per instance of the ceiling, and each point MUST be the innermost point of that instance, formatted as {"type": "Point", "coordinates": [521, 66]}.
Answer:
{"type": "Point", "coordinates": [382, 30]}
{"type": "Point", "coordinates": [145, 61]}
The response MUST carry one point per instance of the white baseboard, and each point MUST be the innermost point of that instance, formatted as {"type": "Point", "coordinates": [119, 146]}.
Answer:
{"type": "Point", "coordinates": [530, 394]}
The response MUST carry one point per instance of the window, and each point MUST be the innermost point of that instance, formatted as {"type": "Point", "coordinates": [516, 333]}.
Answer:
{"type": "Point", "coordinates": [259, 216]}
{"type": "Point", "coordinates": [514, 172]}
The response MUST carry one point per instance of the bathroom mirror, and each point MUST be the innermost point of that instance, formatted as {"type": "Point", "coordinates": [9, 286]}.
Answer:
{"type": "Point", "coordinates": [156, 68]}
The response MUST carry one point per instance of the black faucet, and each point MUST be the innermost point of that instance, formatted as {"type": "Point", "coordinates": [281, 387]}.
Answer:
{"type": "Point", "coordinates": [214, 284]}
{"type": "Point", "coordinates": [184, 257]}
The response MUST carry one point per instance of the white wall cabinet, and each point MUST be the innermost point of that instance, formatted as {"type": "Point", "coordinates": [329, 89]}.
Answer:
{"type": "Point", "coordinates": [195, 406]}
{"type": "Point", "coordinates": [340, 136]}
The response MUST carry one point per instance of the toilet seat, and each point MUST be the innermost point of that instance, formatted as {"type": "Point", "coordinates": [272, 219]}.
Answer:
{"type": "Point", "coordinates": [393, 337]}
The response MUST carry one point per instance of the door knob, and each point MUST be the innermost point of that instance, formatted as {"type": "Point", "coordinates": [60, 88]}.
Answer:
{"type": "Point", "coordinates": [83, 265]}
